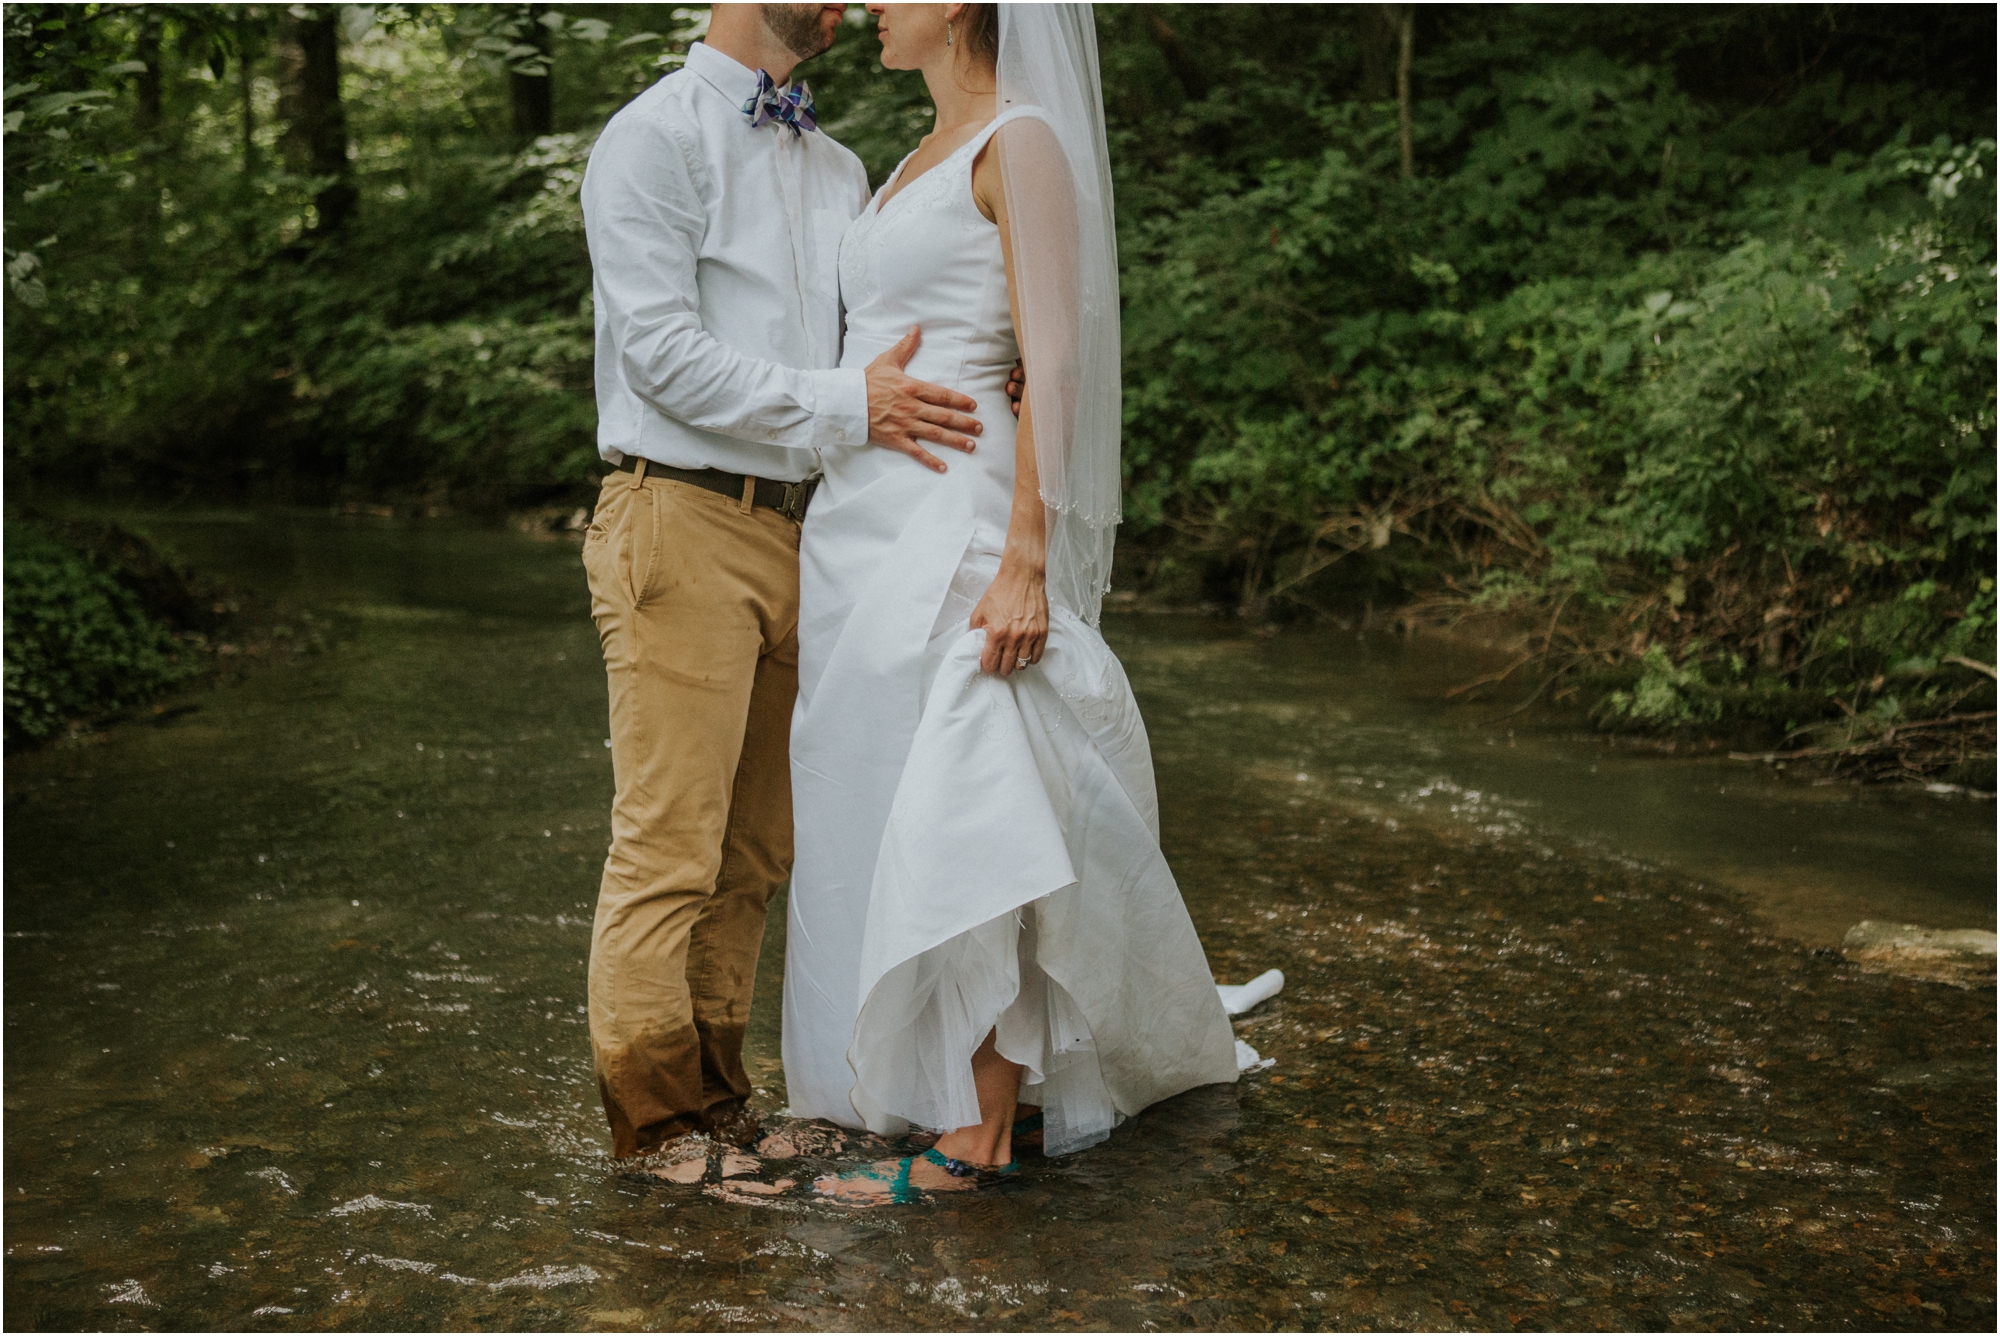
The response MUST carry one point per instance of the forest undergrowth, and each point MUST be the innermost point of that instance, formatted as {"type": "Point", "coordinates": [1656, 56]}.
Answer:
{"type": "Point", "coordinates": [1664, 334]}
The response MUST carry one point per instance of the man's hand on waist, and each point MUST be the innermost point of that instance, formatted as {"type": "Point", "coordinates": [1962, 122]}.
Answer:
{"type": "Point", "coordinates": [904, 412]}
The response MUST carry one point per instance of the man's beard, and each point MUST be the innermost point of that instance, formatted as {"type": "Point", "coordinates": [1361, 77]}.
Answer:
{"type": "Point", "coordinates": [798, 27]}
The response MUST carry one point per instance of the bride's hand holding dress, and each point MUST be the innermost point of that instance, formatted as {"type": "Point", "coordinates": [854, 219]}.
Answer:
{"type": "Point", "coordinates": [1014, 611]}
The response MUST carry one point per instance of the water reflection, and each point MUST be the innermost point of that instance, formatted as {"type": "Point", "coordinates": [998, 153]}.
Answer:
{"type": "Point", "coordinates": [295, 1030]}
{"type": "Point", "coordinates": [1365, 723]}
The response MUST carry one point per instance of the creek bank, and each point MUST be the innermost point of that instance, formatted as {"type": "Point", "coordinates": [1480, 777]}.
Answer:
{"type": "Point", "coordinates": [1933, 728]}
{"type": "Point", "coordinates": [102, 621]}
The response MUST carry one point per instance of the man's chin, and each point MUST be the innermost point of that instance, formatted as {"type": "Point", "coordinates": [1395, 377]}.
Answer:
{"type": "Point", "coordinates": [807, 52]}
{"type": "Point", "coordinates": [803, 41]}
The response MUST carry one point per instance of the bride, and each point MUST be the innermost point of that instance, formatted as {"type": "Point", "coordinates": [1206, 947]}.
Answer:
{"type": "Point", "coordinates": [981, 917]}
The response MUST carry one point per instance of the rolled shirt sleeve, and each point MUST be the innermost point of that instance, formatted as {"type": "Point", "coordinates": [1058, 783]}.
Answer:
{"type": "Point", "coordinates": [645, 221]}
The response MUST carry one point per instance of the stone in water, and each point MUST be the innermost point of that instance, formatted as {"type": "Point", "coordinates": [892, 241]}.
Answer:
{"type": "Point", "coordinates": [1962, 956]}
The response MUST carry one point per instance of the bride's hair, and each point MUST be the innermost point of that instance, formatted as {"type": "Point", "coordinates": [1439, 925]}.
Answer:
{"type": "Point", "coordinates": [982, 31]}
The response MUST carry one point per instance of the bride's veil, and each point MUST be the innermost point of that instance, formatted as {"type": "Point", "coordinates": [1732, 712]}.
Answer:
{"type": "Point", "coordinates": [1058, 179]}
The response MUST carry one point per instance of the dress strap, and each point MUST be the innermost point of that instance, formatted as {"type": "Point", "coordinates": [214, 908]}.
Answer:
{"type": "Point", "coordinates": [978, 141]}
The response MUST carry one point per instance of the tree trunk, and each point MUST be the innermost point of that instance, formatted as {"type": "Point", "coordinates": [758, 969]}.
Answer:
{"type": "Point", "coordinates": [309, 103]}
{"type": "Point", "coordinates": [534, 94]}
{"type": "Point", "coordinates": [1187, 70]}
{"type": "Point", "coordinates": [534, 110]}
{"type": "Point", "coordinates": [1376, 31]}
{"type": "Point", "coordinates": [249, 121]}
{"type": "Point", "coordinates": [246, 88]}
{"type": "Point", "coordinates": [1408, 43]}
{"type": "Point", "coordinates": [146, 50]}
{"type": "Point", "coordinates": [1387, 41]}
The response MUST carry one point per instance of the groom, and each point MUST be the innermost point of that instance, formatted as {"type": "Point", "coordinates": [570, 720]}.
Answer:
{"type": "Point", "coordinates": [714, 209]}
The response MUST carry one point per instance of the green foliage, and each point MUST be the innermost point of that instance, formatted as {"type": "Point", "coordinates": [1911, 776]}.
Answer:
{"type": "Point", "coordinates": [1666, 696]}
{"type": "Point", "coordinates": [1709, 400]}
{"type": "Point", "coordinates": [78, 641]}
{"type": "Point", "coordinates": [1678, 340]}
{"type": "Point", "coordinates": [197, 333]}
{"type": "Point", "coordinates": [485, 400]}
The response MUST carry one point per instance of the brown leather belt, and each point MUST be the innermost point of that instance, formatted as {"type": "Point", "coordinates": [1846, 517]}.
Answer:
{"type": "Point", "coordinates": [789, 499]}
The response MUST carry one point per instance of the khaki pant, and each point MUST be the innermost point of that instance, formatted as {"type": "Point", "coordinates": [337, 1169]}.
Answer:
{"type": "Point", "coordinates": [696, 601]}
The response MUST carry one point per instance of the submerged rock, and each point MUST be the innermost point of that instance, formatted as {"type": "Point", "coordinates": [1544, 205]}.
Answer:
{"type": "Point", "coordinates": [1963, 956]}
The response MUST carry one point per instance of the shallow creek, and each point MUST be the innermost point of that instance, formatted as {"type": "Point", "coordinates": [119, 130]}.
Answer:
{"type": "Point", "coordinates": [295, 1032]}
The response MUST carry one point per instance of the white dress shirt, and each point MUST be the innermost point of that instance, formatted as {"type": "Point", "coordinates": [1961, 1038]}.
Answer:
{"type": "Point", "coordinates": [714, 250]}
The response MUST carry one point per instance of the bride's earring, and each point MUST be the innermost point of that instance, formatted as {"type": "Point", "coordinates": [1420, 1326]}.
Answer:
{"type": "Point", "coordinates": [947, 34]}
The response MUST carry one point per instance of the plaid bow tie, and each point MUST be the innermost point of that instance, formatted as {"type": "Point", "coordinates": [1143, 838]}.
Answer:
{"type": "Point", "coordinates": [793, 110]}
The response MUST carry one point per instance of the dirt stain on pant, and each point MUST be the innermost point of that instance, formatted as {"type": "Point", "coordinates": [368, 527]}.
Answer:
{"type": "Point", "coordinates": [696, 604]}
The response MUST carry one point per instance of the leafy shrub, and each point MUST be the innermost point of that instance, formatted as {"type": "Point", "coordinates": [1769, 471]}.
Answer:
{"type": "Point", "coordinates": [77, 641]}
{"type": "Point", "coordinates": [1666, 696]}
{"type": "Point", "coordinates": [1678, 343]}
{"type": "Point", "coordinates": [1753, 452]}
{"type": "Point", "coordinates": [455, 404]}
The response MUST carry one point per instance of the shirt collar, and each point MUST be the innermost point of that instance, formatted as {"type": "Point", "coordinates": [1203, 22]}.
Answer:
{"type": "Point", "coordinates": [729, 78]}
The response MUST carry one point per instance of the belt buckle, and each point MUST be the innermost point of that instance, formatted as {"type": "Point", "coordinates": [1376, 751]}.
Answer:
{"type": "Point", "coordinates": [797, 494]}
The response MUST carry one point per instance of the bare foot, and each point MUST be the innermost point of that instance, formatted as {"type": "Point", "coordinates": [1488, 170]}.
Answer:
{"type": "Point", "coordinates": [682, 1171]}
{"type": "Point", "coordinates": [892, 1182]}
{"type": "Point", "coordinates": [727, 1191]}
{"type": "Point", "coordinates": [972, 1146]}
{"type": "Point", "coordinates": [682, 1160]}
{"type": "Point", "coordinates": [801, 1137]}
{"type": "Point", "coordinates": [693, 1166]}
{"type": "Point", "coordinates": [762, 1189]}
{"type": "Point", "coordinates": [764, 1195]}
{"type": "Point", "coordinates": [695, 1159]}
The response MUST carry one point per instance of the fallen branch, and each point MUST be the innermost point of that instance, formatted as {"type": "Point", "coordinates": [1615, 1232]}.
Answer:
{"type": "Point", "coordinates": [1937, 723]}
{"type": "Point", "coordinates": [1500, 676]}
{"type": "Point", "coordinates": [1803, 755]}
{"type": "Point", "coordinates": [1880, 743]}
{"type": "Point", "coordinates": [1533, 696]}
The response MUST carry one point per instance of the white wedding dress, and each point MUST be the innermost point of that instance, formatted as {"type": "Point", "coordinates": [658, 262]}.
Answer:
{"type": "Point", "coordinates": [973, 852]}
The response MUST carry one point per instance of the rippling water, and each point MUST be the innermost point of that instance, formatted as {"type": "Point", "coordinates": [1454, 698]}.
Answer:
{"type": "Point", "coordinates": [295, 1030]}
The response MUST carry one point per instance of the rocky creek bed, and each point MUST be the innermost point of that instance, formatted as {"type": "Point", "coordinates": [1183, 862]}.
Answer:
{"type": "Point", "coordinates": [294, 1041]}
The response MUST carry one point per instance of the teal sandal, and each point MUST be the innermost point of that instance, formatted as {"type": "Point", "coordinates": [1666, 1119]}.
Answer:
{"type": "Point", "coordinates": [964, 1169]}
{"type": "Point", "coordinates": [902, 1193]}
